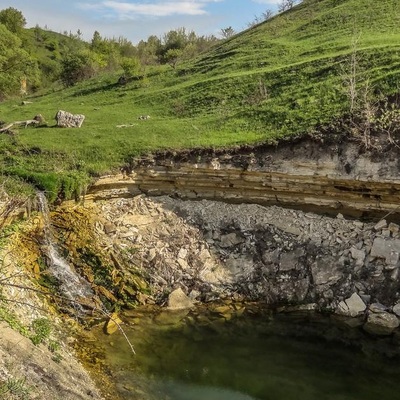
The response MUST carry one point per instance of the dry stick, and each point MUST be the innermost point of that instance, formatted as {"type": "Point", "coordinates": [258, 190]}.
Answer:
{"type": "Point", "coordinates": [107, 314]}
{"type": "Point", "coordinates": [22, 303]}
{"type": "Point", "coordinates": [7, 278]}
{"type": "Point", "coordinates": [26, 123]}
{"type": "Point", "coordinates": [102, 310]}
{"type": "Point", "coordinates": [389, 213]}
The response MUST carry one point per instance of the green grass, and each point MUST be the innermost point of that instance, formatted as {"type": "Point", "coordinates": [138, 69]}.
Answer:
{"type": "Point", "coordinates": [281, 78]}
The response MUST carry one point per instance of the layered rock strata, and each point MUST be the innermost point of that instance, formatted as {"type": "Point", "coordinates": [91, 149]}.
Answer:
{"type": "Point", "coordinates": [307, 173]}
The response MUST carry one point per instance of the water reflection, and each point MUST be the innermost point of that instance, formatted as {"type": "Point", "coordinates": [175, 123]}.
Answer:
{"type": "Point", "coordinates": [250, 358]}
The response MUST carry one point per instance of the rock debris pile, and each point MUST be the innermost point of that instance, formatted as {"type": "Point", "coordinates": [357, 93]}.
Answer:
{"type": "Point", "coordinates": [281, 256]}
{"type": "Point", "coordinates": [171, 253]}
{"type": "Point", "coordinates": [290, 257]}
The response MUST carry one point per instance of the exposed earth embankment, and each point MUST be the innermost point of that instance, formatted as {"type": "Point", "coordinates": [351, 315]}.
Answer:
{"type": "Point", "coordinates": [202, 226]}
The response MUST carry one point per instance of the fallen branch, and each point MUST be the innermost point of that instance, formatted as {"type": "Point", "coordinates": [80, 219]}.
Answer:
{"type": "Point", "coordinates": [101, 309]}
{"type": "Point", "coordinates": [26, 123]}
{"type": "Point", "coordinates": [125, 125]}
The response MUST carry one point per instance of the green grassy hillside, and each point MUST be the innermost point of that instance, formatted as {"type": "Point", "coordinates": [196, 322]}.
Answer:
{"type": "Point", "coordinates": [48, 48]}
{"type": "Point", "coordinates": [285, 77]}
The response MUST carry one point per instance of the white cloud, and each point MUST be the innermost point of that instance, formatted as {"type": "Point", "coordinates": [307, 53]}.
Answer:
{"type": "Point", "coordinates": [133, 10]}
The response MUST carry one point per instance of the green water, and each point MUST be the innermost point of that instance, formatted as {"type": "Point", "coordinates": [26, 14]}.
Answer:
{"type": "Point", "coordinates": [193, 358]}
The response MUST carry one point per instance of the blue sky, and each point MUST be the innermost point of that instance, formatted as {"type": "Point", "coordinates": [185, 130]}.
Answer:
{"type": "Point", "coordinates": [138, 19]}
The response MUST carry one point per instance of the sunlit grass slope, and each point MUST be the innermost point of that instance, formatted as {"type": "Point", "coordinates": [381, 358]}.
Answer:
{"type": "Point", "coordinates": [283, 77]}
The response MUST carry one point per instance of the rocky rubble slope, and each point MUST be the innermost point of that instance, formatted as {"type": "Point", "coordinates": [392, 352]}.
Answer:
{"type": "Point", "coordinates": [290, 257]}
{"type": "Point", "coordinates": [279, 256]}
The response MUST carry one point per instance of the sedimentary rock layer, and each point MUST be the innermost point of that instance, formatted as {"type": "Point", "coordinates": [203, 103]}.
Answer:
{"type": "Point", "coordinates": [337, 177]}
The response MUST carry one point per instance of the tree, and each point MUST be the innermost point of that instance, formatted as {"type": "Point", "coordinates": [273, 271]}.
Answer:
{"type": "Point", "coordinates": [173, 45]}
{"type": "Point", "coordinates": [285, 5]}
{"type": "Point", "coordinates": [175, 39]}
{"type": "Point", "coordinates": [76, 67]}
{"type": "Point", "coordinates": [126, 48]}
{"type": "Point", "coordinates": [148, 50]}
{"type": "Point", "coordinates": [131, 67]}
{"type": "Point", "coordinates": [228, 32]}
{"type": "Point", "coordinates": [257, 20]}
{"type": "Point", "coordinates": [96, 41]}
{"type": "Point", "coordinates": [350, 76]}
{"type": "Point", "coordinates": [267, 14]}
{"type": "Point", "coordinates": [13, 20]}
{"type": "Point", "coordinates": [15, 64]}
{"type": "Point", "coordinates": [172, 56]}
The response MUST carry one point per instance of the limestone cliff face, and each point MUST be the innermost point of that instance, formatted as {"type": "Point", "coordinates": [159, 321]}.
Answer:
{"type": "Point", "coordinates": [275, 255]}
{"type": "Point", "coordinates": [339, 176]}
{"type": "Point", "coordinates": [136, 248]}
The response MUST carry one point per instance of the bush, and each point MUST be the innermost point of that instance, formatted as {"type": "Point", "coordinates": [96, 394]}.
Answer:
{"type": "Point", "coordinates": [42, 329]}
{"type": "Point", "coordinates": [76, 67]}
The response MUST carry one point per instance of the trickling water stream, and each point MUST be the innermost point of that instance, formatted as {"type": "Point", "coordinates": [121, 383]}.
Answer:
{"type": "Point", "coordinates": [72, 286]}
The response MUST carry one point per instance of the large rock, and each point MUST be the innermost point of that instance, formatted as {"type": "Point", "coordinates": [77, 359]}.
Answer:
{"type": "Point", "coordinates": [291, 260]}
{"type": "Point", "coordinates": [67, 120]}
{"type": "Point", "coordinates": [231, 239]}
{"type": "Point", "coordinates": [389, 249]}
{"type": "Point", "coordinates": [325, 271]}
{"type": "Point", "coordinates": [396, 309]}
{"type": "Point", "coordinates": [382, 324]}
{"type": "Point", "coordinates": [178, 300]}
{"type": "Point", "coordinates": [351, 307]}
{"type": "Point", "coordinates": [358, 256]}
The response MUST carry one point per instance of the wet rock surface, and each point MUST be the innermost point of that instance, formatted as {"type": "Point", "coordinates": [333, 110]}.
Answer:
{"type": "Point", "coordinates": [48, 369]}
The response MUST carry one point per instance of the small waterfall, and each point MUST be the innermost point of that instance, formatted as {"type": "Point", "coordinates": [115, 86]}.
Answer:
{"type": "Point", "coordinates": [72, 286]}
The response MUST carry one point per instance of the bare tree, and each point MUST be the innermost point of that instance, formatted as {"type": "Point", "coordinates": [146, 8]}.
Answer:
{"type": "Point", "coordinates": [285, 5]}
{"type": "Point", "coordinates": [350, 75]}
{"type": "Point", "coordinates": [267, 14]}
{"type": "Point", "coordinates": [257, 20]}
{"type": "Point", "coordinates": [228, 32]}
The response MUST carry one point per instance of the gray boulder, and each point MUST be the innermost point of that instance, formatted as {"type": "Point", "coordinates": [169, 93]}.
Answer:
{"type": "Point", "coordinates": [178, 300]}
{"type": "Point", "coordinates": [351, 307]}
{"type": "Point", "coordinates": [381, 324]}
{"type": "Point", "coordinates": [67, 120]}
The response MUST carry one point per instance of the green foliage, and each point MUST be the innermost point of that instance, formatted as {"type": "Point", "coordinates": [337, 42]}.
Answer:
{"type": "Point", "coordinates": [15, 63]}
{"type": "Point", "coordinates": [283, 77]}
{"type": "Point", "coordinates": [131, 66]}
{"type": "Point", "coordinates": [76, 67]}
{"type": "Point", "coordinates": [388, 119]}
{"type": "Point", "coordinates": [53, 346]}
{"type": "Point", "coordinates": [16, 388]}
{"type": "Point", "coordinates": [13, 20]}
{"type": "Point", "coordinates": [12, 320]}
{"type": "Point", "coordinates": [41, 328]}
